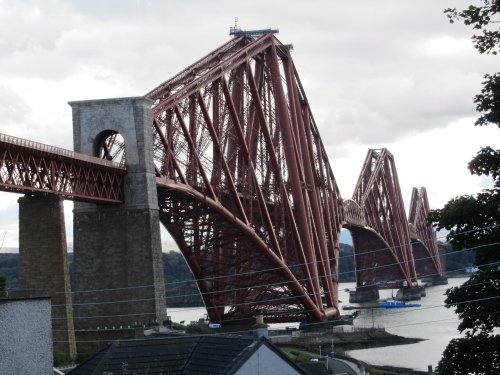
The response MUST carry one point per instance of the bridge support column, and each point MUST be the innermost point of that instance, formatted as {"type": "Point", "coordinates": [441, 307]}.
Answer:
{"type": "Point", "coordinates": [361, 295]}
{"type": "Point", "coordinates": [118, 259]}
{"type": "Point", "coordinates": [436, 280]}
{"type": "Point", "coordinates": [411, 294]}
{"type": "Point", "coordinates": [43, 263]}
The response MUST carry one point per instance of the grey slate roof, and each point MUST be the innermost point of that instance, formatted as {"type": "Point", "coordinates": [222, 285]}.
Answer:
{"type": "Point", "coordinates": [188, 355]}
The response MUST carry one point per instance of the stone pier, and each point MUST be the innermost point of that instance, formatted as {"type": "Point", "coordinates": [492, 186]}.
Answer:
{"type": "Point", "coordinates": [436, 280]}
{"type": "Point", "coordinates": [43, 263]}
{"type": "Point", "coordinates": [117, 248]}
{"type": "Point", "coordinates": [411, 294]}
{"type": "Point", "coordinates": [361, 295]}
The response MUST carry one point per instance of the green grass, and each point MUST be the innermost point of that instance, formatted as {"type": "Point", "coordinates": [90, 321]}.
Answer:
{"type": "Point", "coordinates": [297, 355]}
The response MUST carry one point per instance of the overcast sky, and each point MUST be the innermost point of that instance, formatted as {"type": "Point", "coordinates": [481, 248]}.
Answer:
{"type": "Point", "coordinates": [385, 73]}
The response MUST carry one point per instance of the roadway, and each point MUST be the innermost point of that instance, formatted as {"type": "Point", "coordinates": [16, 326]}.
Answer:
{"type": "Point", "coordinates": [340, 366]}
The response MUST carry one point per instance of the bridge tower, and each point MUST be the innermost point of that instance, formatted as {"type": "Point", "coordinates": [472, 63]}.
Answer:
{"type": "Point", "coordinates": [117, 248]}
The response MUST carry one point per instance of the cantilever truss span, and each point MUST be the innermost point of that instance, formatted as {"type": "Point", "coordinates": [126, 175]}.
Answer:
{"type": "Point", "coordinates": [425, 249]}
{"type": "Point", "coordinates": [245, 185]}
{"type": "Point", "coordinates": [377, 220]}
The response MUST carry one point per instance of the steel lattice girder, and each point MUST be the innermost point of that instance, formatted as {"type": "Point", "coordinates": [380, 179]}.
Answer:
{"type": "Point", "coordinates": [33, 168]}
{"type": "Point", "coordinates": [245, 184]}
{"type": "Point", "coordinates": [378, 193]}
{"type": "Point", "coordinates": [425, 249]}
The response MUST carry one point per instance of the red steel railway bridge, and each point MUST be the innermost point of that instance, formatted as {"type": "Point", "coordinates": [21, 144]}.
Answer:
{"type": "Point", "coordinates": [227, 156]}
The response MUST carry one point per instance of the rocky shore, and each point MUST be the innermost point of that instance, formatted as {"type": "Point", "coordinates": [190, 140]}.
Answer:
{"type": "Point", "coordinates": [348, 338]}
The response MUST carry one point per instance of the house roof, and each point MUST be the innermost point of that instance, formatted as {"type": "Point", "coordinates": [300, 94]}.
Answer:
{"type": "Point", "coordinates": [175, 356]}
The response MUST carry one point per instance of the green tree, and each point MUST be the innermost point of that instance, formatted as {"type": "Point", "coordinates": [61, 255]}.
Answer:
{"type": "Point", "coordinates": [473, 222]}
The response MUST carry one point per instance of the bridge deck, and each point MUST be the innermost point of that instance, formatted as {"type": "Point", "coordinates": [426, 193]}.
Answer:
{"type": "Point", "coordinates": [33, 168]}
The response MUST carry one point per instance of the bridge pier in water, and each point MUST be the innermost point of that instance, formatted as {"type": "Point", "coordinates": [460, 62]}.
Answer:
{"type": "Point", "coordinates": [118, 264]}
{"type": "Point", "coordinates": [361, 295]}
{"type": "Point", "coordinates": [411, 293]}
{"type": "Point", "coordinates": [436, 280]}
{"type": "Point", "coordinates": [43, 263]}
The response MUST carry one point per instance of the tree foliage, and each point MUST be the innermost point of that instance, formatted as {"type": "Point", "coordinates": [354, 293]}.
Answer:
{"type": "Point", "coordinates": [488, 101]}
{"type": "Point", "coordinates": [484, 18]}
{"type": "Point", "coordinates": [473, 222]}
{"type": "Point", "coordinates": [471, 356]}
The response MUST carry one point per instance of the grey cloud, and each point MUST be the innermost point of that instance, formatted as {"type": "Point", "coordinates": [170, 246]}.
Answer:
{"type": "Point", "coordinates": [363, 65]}
{"type": "Point", "coordinates": [9, 208]}
{"type": "Point", "coordinates": [31, 32]}
{"type": "Point", "coordinates": [371, 101]}
{"type": "Point", "coordinates": [13, 108]}
{"type": "Point", "coordinates": [36, 63]}
{"type": "Point", "coordinates": [8, 220]}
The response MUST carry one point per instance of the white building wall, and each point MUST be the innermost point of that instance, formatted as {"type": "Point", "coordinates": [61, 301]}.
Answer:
{"type": "Point", "coordinates": [266, 362]}
{"type": "Point", "coordinates": [25, 337]}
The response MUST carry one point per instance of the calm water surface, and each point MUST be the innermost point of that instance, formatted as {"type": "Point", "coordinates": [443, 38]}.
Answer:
{"type": "Point", "coordinates": [432, 322]}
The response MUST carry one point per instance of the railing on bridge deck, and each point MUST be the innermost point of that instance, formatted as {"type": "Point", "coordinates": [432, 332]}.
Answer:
{"type": "Point", "coordinates": [35, 168]}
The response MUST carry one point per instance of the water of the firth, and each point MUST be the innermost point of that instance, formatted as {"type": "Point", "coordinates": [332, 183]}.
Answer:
{"type": "Point", "coordinates": [432, 322]}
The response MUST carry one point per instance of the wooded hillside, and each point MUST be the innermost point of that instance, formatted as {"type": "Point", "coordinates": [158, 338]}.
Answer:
{"type": "Point", "coordinates": [181, 290]}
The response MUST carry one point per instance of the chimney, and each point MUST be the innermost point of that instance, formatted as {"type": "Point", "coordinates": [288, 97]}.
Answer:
{"type": "Point", "coordinates": [260, 328]}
